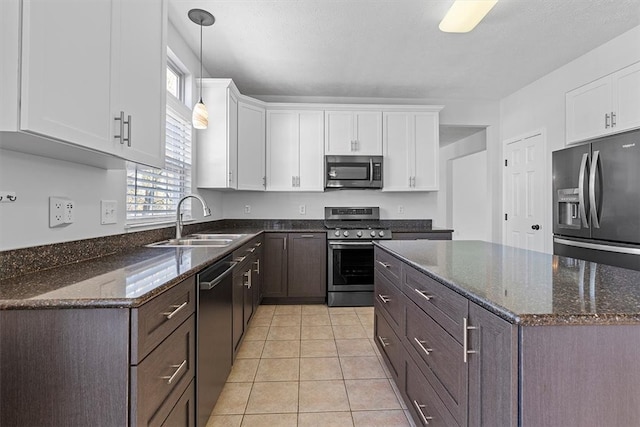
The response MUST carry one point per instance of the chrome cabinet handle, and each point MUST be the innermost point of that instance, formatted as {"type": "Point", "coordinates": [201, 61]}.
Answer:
{"type": "Point", "coordinates": [423, 294]}
{"type": "Point", "coordinates": [175, 374]}
{"type": "Point", "coordinates": [419, 408]}
{"type": "Point", "coordinates": [584, 164]}
{"type": "Point", "coordinates": [465, 340]}
{"type": "Point", "coordinates": [247, 275]}
{"type": "Point", "coordinates": [169, 315]}
{"type": "Point", "coordinates": [384, 298]}
{"type": "Point", "coordinates": [251, 250]}
{"type": "Point", "coordinates": [122, 122]}
{"type": "Point", "coordinates": [257, 264]}
{"type": "Point", "coordinates": [384, 344]}
{"type": "Point", "coordinates": [427, 351]}
{"type": "Point", "coordinates": [240, 259]}
{"type": "Point", "coordinates": [384, 264]}
{"type": "Point", "coordinates": [606, 121]}
{"type": "Point", "coordinates": [307, 236]}
{"type": "Point", "coordinates": [592, 189]}
{"type": "Point", "coordinates": [293, 181]}
{"type": "Point", "coordinates": [128, 131]}
{"type": "Point", "coordinates": [298, 180]}
{"type": "Point", "coordinates": [613, 119]}
{"type": "Point", "coordinates": [257, 245]}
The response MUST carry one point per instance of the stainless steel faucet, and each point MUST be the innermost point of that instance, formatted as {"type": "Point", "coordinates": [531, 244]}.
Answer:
{"type": "Point", "coordinates": [205, 209]}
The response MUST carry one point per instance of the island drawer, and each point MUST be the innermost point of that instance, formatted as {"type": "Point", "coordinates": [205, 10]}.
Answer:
{"type": "Point", "coordinates": [440, 358]}
{"type": "Point", "coordinates": [183, 414]}
{"type": "Point", "coordinates": [390, 299]}
{"type": "Point", "coordinates": [423, 402]}
{"type": "Point", "coordinates": [163, 376]}
{"type": "Point", "coordinates": [445, 306]}
{"type": "Point", "coordinates": [152, 322]}
{"type": "Point", "coordinates": [389, 345]}
{"type": "Point", "coordinates": [388, 265]}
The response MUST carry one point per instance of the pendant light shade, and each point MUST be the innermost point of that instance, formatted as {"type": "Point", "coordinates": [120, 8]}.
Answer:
{"type": "Point", "coordinates": [200, 118]}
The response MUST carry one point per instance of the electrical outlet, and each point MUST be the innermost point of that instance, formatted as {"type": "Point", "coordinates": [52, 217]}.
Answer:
{"type": "Point", "coordinates": [7, 196]}
{"type": "Point", "coordinates": [108, 212]}
{"type": "Point", "coordinates": [60, 211]}
{"type": "Point", "coordinates": [400, 209]}
{"type": "Point", "coordinates": [247, 209]}
{"type": "Point", "coordinates": [302, 209]}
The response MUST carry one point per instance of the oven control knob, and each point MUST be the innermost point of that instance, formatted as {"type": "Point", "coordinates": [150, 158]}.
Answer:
{"type": "Point", "coordinates": [359, 233]}
{"type": "Point", "coordinates": [381, 233]}
{"type": "Point", "coordinates": [373, 234]}
{"type": "Point", "coordinates": [337, 233]}
{"type": "Point", "coordinates": [346, 233]}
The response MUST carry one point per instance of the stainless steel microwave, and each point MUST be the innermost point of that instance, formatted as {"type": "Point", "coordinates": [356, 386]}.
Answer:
{"type": "Point", "coordinates": [353, 172]}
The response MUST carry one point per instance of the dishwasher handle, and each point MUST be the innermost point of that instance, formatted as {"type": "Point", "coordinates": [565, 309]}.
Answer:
{"type": "Point", "coordinates": [205, 286]}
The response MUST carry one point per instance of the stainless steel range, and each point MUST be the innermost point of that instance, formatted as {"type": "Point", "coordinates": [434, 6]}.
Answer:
{"type": "Point", "coordinates": [350, 254]}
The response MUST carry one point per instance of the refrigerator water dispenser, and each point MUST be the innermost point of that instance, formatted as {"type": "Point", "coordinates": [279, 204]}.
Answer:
{"type": "Point", "coordinates": [568, 208]}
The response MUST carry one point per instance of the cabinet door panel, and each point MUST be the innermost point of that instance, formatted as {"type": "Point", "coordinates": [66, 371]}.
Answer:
{"type": "Point", "coordinates": [626, 98]}
{"type": "Point", "coordinates": [275, 265]}
{"type": "Point", "coordinates": [140, 79]}
{"type": "Point", "coordinates": [282, 150]}
{"type": "Point", "coordinates": [427, 147]}
{"type": "Point", "coordinates": [251, 147]}
{"type": "Point", "coordinates": [307, 265]}
{"type": "Point", "coordinates": [397, 137]}
{"type": "Point", "coordinates": [586, 109]}
{"type": "Point", "coordinates": [311, 151]}
{"type": "Point", "coordinates": [64, 97]}
{"type": "Point", "coordinates": [339, 132]}
{"type": "Point", "coordinates": [493, 377]}
{"type": "Point", "coordinates": [368, 133]}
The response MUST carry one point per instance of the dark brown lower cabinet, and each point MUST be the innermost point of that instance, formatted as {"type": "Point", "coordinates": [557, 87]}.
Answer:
{"type": "Point", "coordinates": [295, 267]}
{"type": "Point", "coordinates": [183, 414]}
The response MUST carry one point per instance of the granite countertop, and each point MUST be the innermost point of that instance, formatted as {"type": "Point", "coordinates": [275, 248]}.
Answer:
{"type": "Point", "coordinates": [525, 287]}
{"type": "Point", "coordinates": [126, 279]}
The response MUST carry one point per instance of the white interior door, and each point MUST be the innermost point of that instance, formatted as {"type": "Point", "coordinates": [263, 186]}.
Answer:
{"type": "Point", "coordinates": [525, 181]}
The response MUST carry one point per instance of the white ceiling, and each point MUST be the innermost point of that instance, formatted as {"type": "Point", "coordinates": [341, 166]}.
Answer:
{"type": "Point", "coordinates": [393, 48]}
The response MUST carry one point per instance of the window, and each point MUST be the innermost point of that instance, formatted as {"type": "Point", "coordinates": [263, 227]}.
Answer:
{"type": "Point", "coordinates": [153, 194]}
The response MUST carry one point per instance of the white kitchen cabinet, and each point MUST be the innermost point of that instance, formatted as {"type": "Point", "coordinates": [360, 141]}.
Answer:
{"type": "Point", "coordinates": [295, 151]}
{"type": "Point", "coordinates": [411, 151]}
{"type": "Point", "coordinates": [81, 75]}
{"type": "Point", "coordinates": [608, 105]}
{"type": "Point", "coordinates": [251, 145]}
{"type": "Point", "coordinates": [353, 132]}
{"type": "Point", "coordinates": [217, 146]}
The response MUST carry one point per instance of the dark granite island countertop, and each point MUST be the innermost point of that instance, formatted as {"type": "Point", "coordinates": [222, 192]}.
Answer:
{"type": "Point", "coordinates": [525, 287]}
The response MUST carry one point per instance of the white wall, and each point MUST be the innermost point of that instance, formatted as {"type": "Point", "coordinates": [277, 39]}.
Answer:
{"type": "Point", "coordinates": [541, 105]}
{"type": "Point", "coordinates": [25, 222]}
{"type": "Point", "coordinates": [470, 210]}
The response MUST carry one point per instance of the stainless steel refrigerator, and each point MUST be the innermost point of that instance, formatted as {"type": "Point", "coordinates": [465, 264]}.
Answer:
{"type": "Point", "coordinates": [596, 201]}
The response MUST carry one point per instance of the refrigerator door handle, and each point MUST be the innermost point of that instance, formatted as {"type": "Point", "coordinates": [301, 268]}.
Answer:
{"type": "Point", "coordinates": [583, 211]}
{"type": "Point", "coordinates": [597, 246]}
{"type": "Point", "coordinates": [592, 189]}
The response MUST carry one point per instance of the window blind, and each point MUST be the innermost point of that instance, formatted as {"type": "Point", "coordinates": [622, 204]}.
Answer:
{"type": "Point", "coordinates": [153, 194]}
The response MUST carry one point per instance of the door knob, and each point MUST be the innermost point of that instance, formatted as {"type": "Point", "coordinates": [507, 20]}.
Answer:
{"type": "Point", "coordinates": [535, 227]}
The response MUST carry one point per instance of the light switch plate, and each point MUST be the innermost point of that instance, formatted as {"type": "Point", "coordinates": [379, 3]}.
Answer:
{"type": "Point", "coordinates": [108, 212]}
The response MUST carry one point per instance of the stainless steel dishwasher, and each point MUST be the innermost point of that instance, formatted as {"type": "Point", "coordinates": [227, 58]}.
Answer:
{"type": "Point", "coordinates": [214, 323]}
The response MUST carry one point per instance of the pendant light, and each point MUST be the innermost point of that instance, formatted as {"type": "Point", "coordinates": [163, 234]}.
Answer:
{"type": "Point", "coordinates": [200, 118]}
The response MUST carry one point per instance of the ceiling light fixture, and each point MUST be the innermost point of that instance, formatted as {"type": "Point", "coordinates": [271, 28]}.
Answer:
{"type": "Point", "coordinates": [464, 15]}
{"type": "Point", "coordinates": [200, 118]}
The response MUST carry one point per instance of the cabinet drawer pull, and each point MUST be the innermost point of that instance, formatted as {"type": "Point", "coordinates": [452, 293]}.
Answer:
{"type": "Point", "coordinates": [423, 294]}
{"type": "Point", "coordinates": [384, 344]}
{"type": "Point", "coordinates": [465, 340]}
{"type": "Point", "coordinates": [307, 236]}
{"type": "Point", "coordinates": [384, 298]}
{"type": "Point", "coordinates": [240, 259]}
{"type": "Point", "coordinates": [427, 351]}
{"type": "Point", "coordinates": [252, 250]}
{"type": "Point", "coordinates": [258, 244]}
{"type": "Point", "coordinates": [247, 275]}
{"type": "Point", "coordinates": [384, 264]}
{"type": "Point", "coordinates": [257, 264]}
{"type": "Point", "coordinates": [419, 408]}
{"type": "Point", "coordinates": [177, 371]}
{"type": "Point", "coordinates": [177, 309]}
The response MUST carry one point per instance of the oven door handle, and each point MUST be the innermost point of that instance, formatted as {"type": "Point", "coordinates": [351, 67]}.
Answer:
{"type": "Point", "coordinates": [337, 245]}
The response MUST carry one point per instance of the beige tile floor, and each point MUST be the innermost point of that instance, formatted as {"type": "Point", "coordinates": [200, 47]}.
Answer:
{"type": "Point", "coordinates": [309, 365]}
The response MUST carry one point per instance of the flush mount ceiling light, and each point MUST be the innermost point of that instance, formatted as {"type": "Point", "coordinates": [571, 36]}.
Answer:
{"type": "Point", "coordinates": [464, 15]}
{"type": "Point", "coordinates": [200, 118]}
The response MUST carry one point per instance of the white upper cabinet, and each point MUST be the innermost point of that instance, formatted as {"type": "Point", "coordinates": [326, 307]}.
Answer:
{"type": "Point", "coordinates": [353, 133]}
{"type": "Point", "coordinates": [217, 146]}
{"type": "Point", "coordinates": [295, 153]}
{"type": "Point", "coordinates": [251, 146]}
{"type": "Point", "coordinates": [411, 151]}
{"type": "Point", "coordinates": [608, 105]}
{"type": "Point", "coordinates": [83, 77]}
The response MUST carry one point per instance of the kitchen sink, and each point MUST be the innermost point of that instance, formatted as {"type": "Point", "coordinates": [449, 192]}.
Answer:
{"type": "Point", "coordinates": [200, 240]}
